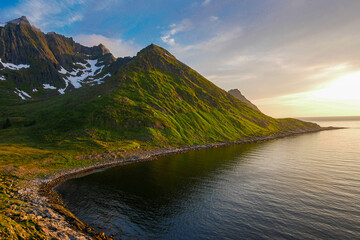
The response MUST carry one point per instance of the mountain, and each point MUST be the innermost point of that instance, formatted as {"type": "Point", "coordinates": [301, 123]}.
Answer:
{"type": "Point", "coordinates": [34, 64]}
{"type": "Point", "coordinates": [59, 92]}
{"type": "Point", "coordinates": [237, 94]}
{"type": "Point", "coordinates": [64, 105]}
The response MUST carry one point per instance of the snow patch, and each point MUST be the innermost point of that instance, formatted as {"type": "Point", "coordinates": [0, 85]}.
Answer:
{"type": "Point", "coordinates": [14, 66]}
{"type": "Point", "coordinates": [100, 80]}
{"type": "Point", "coordinates": [2, 78]}
{"type": "Point", "coordinates": [89, 70]}
{"type": "Point", "coordinates": [23, 95]}
{"type": "Point", "coordinates": [34, 90]}
{"type": "Point", "coordinates": [61, 90]}
{"type": "Point", "coordinates": [63, 71]}
{"type": "Point", "coordinates": [48, 86]}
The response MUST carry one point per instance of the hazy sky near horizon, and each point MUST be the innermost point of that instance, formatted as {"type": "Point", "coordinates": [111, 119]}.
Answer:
{"type": "Point", "coordinates": [290, 57]}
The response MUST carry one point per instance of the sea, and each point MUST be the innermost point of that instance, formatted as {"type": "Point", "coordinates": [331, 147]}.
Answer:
{"type": "Point", "coordinates": [299, 187]}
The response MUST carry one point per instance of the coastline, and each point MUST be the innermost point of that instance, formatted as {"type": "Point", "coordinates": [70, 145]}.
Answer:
{"type": "Point", "coordinates": [45, 202]}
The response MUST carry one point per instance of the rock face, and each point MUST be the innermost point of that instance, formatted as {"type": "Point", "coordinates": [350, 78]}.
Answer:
{"type": "Point", "coordinates": [150, 98]}
{"type": "Point", "coordinates": [22, 20]}
{"type": "Point", "coordinates": [237, 94]}
{"type": "Point", "coordinates": [51, 59]}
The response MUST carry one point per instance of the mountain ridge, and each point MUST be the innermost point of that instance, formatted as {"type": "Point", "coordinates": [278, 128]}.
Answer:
{"type": "Point", "coordinates": [47, 55]}
{"type": "Point", "coordinates": [66, 106]}
{"type": "Point", "coordinates": [149, 98]}
{"type": "Point", "coordinates": [237, 94]}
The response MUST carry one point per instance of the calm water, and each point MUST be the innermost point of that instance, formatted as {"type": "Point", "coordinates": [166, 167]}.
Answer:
{"type": "Point", "coordinates": [301, 187]}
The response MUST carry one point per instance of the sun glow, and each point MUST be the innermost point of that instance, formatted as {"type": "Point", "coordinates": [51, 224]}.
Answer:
{"type": "Point", "coordinates": [339, 97]}
{"type": "Point", "coordinates": [346, 87]}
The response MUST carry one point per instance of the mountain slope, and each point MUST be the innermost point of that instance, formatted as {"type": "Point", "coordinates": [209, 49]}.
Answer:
{"type": "Point", "coordinates": [36, 65]}
{"type": "Point", "coordinates": [151, 99]}
{"type": "Point", "coordinates": [154, 100]}
{"type": "Point", "coordinates": [64, 105]}
{"type": "Point", "coordinates": [237, 94]}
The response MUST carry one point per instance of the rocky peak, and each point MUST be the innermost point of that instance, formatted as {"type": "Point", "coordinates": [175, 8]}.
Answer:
{"type": "Point", "coordinates": [23, 21]}
{"type": "Point", "coordinates": [154, 49]}
{"type": "Point", "coordinates": [150, 47]}
{"type": "Point", "coordinates": [104, 50]}
{"type": "Point", "coordinates": [237, 94]}
{"type": "Point", "coordinates": [48, 59]}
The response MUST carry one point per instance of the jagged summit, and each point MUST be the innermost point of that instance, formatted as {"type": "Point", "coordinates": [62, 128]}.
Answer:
{"type": "Point", "coordinates": [21, 20]}
{"type": "Point", "coordinates": [237, 94]}
{"type": "Point", "coordinates": [153, 48]}
{"type": "Point", "coordinates": [150, 99]}
{"type": "Point", "coordinates": [150, 47]}
{"type": "Point", "coordinates": [104, 49]}
{"type": "Point", "coordinates": [39, 65]}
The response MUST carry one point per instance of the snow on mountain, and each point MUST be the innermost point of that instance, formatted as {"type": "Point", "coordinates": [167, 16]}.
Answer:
{"type": "Point", "coordinates": [14, 66]}
{"type": "Point", "coordinates": [48, 86]}
{"type": "Point", "coordinates": [23, 95]}
{"type": "Point", "coordinates": [99, 80]}
{"type": "Point", "coordinates": [63, 71]}
{"type": "Point", "coordinates": [62, 90]}
{"type": "Point", "coordinates": [89, 70]}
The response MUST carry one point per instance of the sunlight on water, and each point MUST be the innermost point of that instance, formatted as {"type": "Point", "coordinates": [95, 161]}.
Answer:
{"type": "Point", "coordinates": [300, 187]}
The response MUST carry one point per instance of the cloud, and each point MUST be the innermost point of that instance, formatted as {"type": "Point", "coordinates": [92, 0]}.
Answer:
{"type": "Point", "coordinates": [44, 13]}
{"type": "Point", "coordinates": [117, 47]}
{"type": "Point", "coordinates": [209, 46]}
{"type": "Point", "coordinates": [75, 18]}
{"type": "Point", "coordinates": [213, 18]}
{"type": "Point", "coordinates": [183, 26]}
{"type": "Point", "coordinates": [168, 40]}
{"type": "Point", "coordinates": [283, 48]}
{"type": "Point", "coordinates": [105, 4]}
{"type": "Point", "coordinates": [205, 2]}
{"type": "Point", "coordinates": [337, 97]}
{"type": "Point", "coordinates": [289, 48]}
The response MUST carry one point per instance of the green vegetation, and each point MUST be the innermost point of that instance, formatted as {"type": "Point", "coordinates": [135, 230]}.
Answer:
{"type": "Point", "coordinates": [153, 101]}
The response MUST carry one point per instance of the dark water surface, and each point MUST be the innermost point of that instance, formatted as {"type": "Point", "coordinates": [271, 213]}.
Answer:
{"type": "Point", "coordinates": [300, 187]}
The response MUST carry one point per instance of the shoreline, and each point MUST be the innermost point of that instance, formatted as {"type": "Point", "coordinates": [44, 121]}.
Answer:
{"type": "Point", "coordinates": [42, 195]}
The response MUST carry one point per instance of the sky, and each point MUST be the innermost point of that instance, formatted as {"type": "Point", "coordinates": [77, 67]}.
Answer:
{"type": "Point", "coordinates": [292, 58]}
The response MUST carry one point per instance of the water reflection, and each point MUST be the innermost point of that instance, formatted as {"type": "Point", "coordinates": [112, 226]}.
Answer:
{"type": "Point", "coordinates": [298, 187]}
{"type": "Point", "coordinates": [149, 193]}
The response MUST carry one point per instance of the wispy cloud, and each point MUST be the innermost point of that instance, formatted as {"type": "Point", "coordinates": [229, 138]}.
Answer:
{"type": "Point", "coordinates": [208, 46]}
{"type": "Point", "coordinates": [213, 18]}
{"type": "Point", "coordinates": [282, 51]}
{"type": "Point", "coordinates": [268, 49]}
{"type": "Point", "coordinates": [117, 47]}
{"type": "Point", "coordinates": [44, 13]}
{"type": "Point", "coordinates": [205, 2]}
{"type": "Point", "coordinates": [183, 26]}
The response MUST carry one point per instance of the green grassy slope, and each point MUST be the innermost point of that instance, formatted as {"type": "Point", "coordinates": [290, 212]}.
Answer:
{"type": "Point", "coordinates": [153, 100]}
